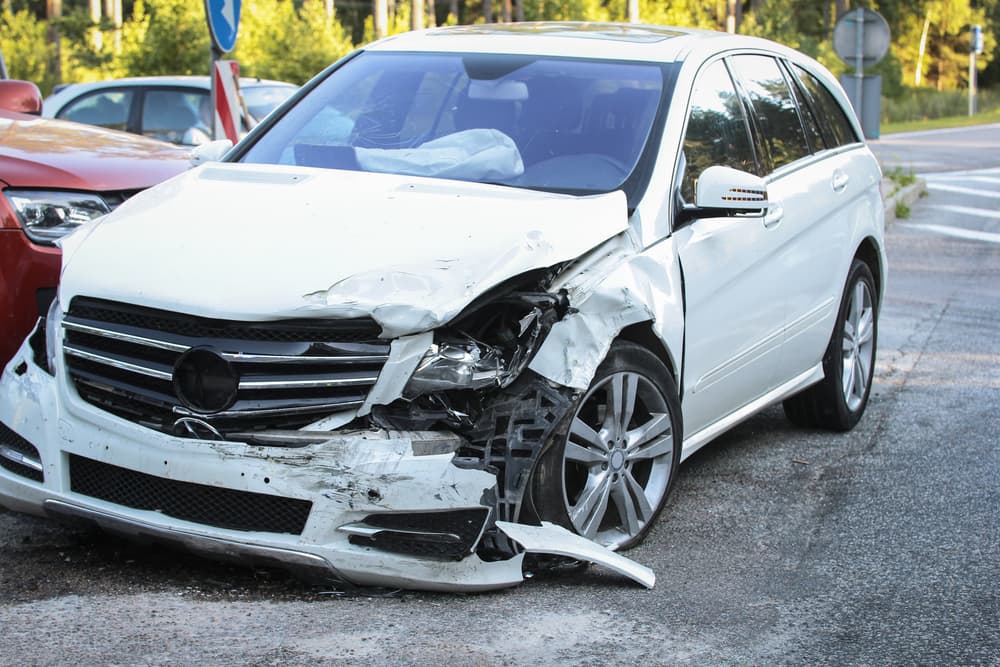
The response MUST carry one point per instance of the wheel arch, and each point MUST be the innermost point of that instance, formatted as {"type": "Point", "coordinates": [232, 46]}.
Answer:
{"type": "Point", "coordinates": [868, 252]}
{"type": "Point", "coordinates": [642, 333]}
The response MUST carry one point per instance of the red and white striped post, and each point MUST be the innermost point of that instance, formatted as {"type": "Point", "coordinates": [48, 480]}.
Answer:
{"type": "Point", "coordinates": [227, 100]}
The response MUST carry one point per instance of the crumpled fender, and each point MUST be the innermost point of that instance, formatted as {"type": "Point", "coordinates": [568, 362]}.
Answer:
{"type": "Point", "coordinates": [615, 286]}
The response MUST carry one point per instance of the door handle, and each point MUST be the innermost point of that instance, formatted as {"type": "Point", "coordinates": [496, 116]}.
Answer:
{"type": "Point", "coordinates": [774, 215]}
{"type": "Point", "coordinates": [840, 180]}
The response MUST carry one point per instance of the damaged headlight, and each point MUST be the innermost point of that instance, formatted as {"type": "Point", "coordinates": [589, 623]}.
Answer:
{"type": "Point", "coordinates": [457, 365]}
{"type": "Point", "coordinates": [47, 216]}
{"type": "Point", "coordinates": [488, 345]}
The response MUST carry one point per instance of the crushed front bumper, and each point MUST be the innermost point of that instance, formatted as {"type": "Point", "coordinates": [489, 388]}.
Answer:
{"type": "Point", "coordinates": [395, 509]}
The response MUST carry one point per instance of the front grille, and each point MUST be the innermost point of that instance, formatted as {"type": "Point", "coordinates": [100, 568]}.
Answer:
{"type": "Point", "coordinates": [451, 534]}
{"type": "Point", "coordinates": [19, 456]}
{"type": "Point", "coordinates": [121, 358]}
{"type": "Point", "coordinates": [199, 503]}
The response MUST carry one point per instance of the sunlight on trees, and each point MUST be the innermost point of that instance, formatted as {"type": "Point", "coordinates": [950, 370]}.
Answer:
{"type": "Point", "coordinates": [294, 39]}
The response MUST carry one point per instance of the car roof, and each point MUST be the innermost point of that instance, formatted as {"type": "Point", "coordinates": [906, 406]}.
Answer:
{"type": "Point", "coordinates": [72, 90]}
{"type": "Point", "coordinates": [614, 41]}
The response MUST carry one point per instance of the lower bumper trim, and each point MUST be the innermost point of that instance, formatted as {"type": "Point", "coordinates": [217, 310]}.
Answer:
{"type": "Point", "coordinates": [309, 566]}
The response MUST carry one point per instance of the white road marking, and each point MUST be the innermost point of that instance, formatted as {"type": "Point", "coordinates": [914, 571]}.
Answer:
{"type": "Point", "coordinates": [968, 210]}
{"type": "Point", "coordinates": [957, 232]}
{"type": "Point", "coordinates": [965, 178]}
{"type": "Point", "coordinates": [961, 173]}
{"type": "Point", "coordinates": [963, 191]}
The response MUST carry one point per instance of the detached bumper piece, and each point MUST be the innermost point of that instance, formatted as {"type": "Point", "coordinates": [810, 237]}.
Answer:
{"type": "Point", "coordinates": [449, 535]}
{"type": "Point", "coordinates": [19, 456]}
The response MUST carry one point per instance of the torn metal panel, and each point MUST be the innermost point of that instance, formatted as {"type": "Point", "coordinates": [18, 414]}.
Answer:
{"type": "Point", "coordinates": [432, 259]}
{"type": "Point", "coordinates": [613, 289]}
{"type": "Point", "coordinates": [556, 540]}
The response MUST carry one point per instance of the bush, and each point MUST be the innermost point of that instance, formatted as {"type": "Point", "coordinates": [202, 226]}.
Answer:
{"type": "Point", "coordinates": [928, 103]}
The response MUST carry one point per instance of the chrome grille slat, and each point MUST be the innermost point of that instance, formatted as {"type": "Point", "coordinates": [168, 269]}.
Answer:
{"type": "Point", "coordinates": [126, 337]}
{"type": "Point", "coordinates": [119, 364]}
{"type": "Point", "coordinates": [240, 357]}
{"type": "Point", "coordinates": [122, 359]}
{"type": "Point", "coordinates": [309, 383]}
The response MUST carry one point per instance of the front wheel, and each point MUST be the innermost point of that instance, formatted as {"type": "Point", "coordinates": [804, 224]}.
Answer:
{"type": "Point", "coordinates": [838, 401]}
{"type": "Point", "coordinates": [608, 474]}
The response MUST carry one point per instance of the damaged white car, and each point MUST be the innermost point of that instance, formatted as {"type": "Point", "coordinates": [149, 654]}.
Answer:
{"type": "Point", "coordinates": [475, 292]}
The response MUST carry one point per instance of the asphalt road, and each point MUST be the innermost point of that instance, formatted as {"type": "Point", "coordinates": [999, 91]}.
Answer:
{"type": "Point", "coordinates": [779, 546]}
{"type": "Point", "coordinates": [952, 149]}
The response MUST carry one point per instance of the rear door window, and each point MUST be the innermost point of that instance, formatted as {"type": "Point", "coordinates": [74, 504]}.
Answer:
{"type": "Point", "coordinates": [808, 114]}
{"type": "Point", "coordinates": [837, 129]}
{"type": "Point", "coordinates": [775, 113]}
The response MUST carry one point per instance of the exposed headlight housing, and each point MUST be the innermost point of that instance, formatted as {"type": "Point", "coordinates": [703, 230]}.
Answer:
{"type": "Point", "coordinates": [48, 215]}
{"type": "Point", "coordinates": [457, 364]}
{"type": "Point", "coordinates": [488, 345]}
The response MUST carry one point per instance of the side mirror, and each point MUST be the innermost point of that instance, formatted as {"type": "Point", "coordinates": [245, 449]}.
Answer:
{"type": "Point", "coordinates": [731, 190]}
{"type": "Point", "coordinates": [213, 151]}
{"type": "Point", "coordinates": [20, 96]}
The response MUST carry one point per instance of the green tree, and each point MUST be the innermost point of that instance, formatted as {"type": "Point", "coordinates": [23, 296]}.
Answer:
{"type": "Point", "coordinates": [25, 50]}
{"type": "Point", "coordinates": [687, 13]}
{"type": "Point", "coordinates": [166, 37]}
{"type": "Point", "coordinates": [278, 41]}
{"type": "Point", "coordinates": [566, 10]}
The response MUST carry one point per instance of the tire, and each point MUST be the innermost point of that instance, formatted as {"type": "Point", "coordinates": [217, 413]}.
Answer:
{"type": "Point", "coordinates": [606, 475]}
{"type": "Point", "coordinates": [839, 399]}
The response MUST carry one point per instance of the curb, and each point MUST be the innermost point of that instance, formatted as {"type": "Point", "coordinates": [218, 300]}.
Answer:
{"type": "Point", "coordinates": [901, 195]}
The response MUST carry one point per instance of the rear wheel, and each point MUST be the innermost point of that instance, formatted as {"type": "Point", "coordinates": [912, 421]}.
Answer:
{"type": "Point", "coordinates": [839, 400]}
{"type": "Point", "coordinates": [608, 474]}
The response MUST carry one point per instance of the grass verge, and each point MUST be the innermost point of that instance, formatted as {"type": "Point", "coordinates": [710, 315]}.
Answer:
{"type": "Point", "coordinates": [941, 123]}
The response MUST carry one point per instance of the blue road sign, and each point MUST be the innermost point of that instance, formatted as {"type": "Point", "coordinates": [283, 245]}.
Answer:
{"type": "Point", "coordinates": [223, 21]}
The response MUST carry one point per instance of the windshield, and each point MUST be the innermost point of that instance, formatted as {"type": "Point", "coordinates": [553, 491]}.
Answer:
{"type": "Point", "coordinates": [543, 123]}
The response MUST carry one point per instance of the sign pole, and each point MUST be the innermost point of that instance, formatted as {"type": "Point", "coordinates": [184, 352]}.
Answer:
{"type": "Point", "coordinates": [859, 54]}
{"type": "Point", "coordinates": [972, 82]}
{"type": "Point", "coordinates": [214, 56]}
{"type": "Point", "coordinates": [223, 18]}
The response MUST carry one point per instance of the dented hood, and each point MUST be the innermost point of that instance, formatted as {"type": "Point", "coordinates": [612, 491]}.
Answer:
{"type": "Point", "coordinates": [255, 242]}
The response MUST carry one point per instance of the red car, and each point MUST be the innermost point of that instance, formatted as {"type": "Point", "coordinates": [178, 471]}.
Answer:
{"type": "Point", "coordinates": [55, 176]}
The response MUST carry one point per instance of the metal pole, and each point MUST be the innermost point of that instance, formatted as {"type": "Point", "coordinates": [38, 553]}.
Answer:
{"type": "Point", "coordinates": [972, 82]}
{"type": "Point", "coordinates": [216, 55]}
{"type": "Point", "coordinates": [633, 11]}
{"type": "Point", "coordinates": [859, 53]}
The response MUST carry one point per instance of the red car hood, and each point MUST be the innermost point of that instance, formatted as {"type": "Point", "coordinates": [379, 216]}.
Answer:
{"type": "Point", "coordinates": [44, 153]}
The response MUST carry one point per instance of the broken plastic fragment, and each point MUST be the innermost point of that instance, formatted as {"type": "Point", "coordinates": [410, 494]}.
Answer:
{"type": "Point", "coordinates": [556, 540]}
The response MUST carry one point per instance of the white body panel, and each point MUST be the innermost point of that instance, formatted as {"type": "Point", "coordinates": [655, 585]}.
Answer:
{"type": "Point", "coordinates": [356, 244]}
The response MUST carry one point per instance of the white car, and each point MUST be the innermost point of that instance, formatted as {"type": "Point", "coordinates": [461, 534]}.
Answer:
{"type": "Point", "coordinates": [477, 294]}
{"type": "Point", "coordinates": [172, 108]}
